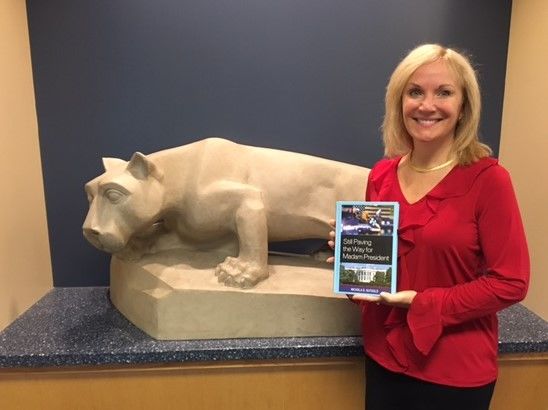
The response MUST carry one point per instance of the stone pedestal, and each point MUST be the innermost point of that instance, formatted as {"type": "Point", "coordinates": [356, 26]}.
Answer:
{"type": "Point", "coordinates": [169, 299]}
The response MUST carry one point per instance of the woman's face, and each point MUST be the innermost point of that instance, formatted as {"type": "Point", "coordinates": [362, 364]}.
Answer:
{"type": "Point", "coordinates": [432, 103]}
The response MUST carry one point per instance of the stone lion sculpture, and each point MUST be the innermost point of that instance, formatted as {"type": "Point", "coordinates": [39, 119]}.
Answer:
{"type": "Point", "coordinates": [215, 190]}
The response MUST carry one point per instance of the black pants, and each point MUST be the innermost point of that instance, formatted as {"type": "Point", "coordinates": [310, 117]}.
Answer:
{"type": "Point", "coordinates": [385, 390]}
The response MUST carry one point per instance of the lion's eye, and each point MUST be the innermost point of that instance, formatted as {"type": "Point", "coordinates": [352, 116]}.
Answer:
{"type": "Point", "coordinates": [113, 195]}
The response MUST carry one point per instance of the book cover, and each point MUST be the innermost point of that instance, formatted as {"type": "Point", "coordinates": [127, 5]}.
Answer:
{"type": "Point", "coordinates": [366, 247]}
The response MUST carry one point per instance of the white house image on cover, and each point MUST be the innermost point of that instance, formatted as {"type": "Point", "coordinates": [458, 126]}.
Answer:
{"type": "Point", "coordinates": [365, 258]}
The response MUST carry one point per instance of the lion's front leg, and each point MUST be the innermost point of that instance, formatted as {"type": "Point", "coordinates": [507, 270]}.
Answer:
{"type": "Point", "coordinates": [250, 267]}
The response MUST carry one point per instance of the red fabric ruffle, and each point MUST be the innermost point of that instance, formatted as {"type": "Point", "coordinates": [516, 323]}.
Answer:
{"type": "Point", "coordinates": [418, 323]}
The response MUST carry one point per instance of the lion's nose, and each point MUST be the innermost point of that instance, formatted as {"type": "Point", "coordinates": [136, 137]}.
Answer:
{"type": "Point", "coordinates": [91, 231]}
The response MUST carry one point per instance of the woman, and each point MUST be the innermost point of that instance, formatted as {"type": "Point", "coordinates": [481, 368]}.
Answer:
{"type": "Point", "coordinates": [462, 253]}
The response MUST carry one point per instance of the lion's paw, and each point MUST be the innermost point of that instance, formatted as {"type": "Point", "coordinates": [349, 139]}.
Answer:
{"type": "Point", "coordinates": [240, 274]}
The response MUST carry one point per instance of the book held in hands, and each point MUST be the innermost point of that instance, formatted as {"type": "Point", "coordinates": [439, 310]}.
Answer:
{"type": "Point", "coordinates": [366, 241]}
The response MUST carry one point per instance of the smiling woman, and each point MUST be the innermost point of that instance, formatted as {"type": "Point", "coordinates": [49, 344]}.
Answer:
{"type": "Point", "coordinates": [432, 104]}
{"type": "Point", "coordinates": [449, 75]}
{"type": "Point", "coordinates": [458, 264]}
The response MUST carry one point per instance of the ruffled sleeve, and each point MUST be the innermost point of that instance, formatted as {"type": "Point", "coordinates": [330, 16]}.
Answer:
{"type": "Point", "coordinates": [425, 319]}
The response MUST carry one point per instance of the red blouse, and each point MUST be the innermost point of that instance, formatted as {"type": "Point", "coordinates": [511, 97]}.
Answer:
{"type": "Point", "coordinates": [462, 247]}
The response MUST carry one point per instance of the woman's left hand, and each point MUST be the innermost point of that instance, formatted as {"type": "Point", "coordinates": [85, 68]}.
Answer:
{"type": "Point", "coordinates": [401, 299]}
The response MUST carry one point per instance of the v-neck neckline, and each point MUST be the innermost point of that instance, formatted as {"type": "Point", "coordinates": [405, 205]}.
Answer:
{"type": "Point", "coordinates": [428, 193]}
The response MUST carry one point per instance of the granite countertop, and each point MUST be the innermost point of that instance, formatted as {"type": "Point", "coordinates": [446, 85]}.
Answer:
{"type": "Point", "coordinates": [79, 326]}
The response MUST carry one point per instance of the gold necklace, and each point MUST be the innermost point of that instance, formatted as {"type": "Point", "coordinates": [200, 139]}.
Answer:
{"type": "Point", "coordinates": [435, 168]}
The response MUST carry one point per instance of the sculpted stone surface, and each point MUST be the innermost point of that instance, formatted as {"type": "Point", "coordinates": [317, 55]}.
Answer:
{"type": "Point", "coordinates": [212, 192]}
{"type": "Point", "coordinates": [211, 206]}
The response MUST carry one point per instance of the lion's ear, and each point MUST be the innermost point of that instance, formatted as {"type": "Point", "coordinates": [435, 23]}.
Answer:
{"type": "Point", "coordinates": [141, 167]}
{"type": "Point", "coordinates": [110, 163]}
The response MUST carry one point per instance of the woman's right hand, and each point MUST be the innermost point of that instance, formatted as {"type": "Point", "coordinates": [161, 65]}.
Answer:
{"type": "Point", "coordinates": [331, 242]}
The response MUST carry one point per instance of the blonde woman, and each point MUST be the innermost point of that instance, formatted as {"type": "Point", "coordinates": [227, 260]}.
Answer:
{"type": "Point", "coordinates": [462, 250]}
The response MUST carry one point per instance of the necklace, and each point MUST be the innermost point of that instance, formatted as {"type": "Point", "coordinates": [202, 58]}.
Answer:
{"type": "Point", "coordinates": [434, 168]}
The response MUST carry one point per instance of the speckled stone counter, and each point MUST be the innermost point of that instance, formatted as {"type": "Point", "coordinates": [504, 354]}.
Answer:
{"type": "Point", "coordinates": [79, 326]}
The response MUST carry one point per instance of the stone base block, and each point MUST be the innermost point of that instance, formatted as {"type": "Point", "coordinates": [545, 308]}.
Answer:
{"type": "Point", "coordinates": [170, 299]}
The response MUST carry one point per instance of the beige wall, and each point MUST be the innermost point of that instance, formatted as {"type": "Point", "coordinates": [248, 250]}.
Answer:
{"type": "Point", "coordinates": [25, 268]}
{"type": "Point", "coordinates": [524, 139]}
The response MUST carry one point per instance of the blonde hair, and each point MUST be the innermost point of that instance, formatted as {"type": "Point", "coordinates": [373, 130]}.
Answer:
{"type": "Point", "coordinates": [397, 140]}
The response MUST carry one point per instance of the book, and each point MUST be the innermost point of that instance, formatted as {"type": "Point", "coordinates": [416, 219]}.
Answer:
{"type": "Point", "coordinates": [366, 247]}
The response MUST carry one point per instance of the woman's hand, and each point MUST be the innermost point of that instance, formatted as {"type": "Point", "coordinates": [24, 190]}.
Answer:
{"type": "Point", "coordinates": [401, 299]}
{"type": "Point", "coordinates": [331, 242]}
